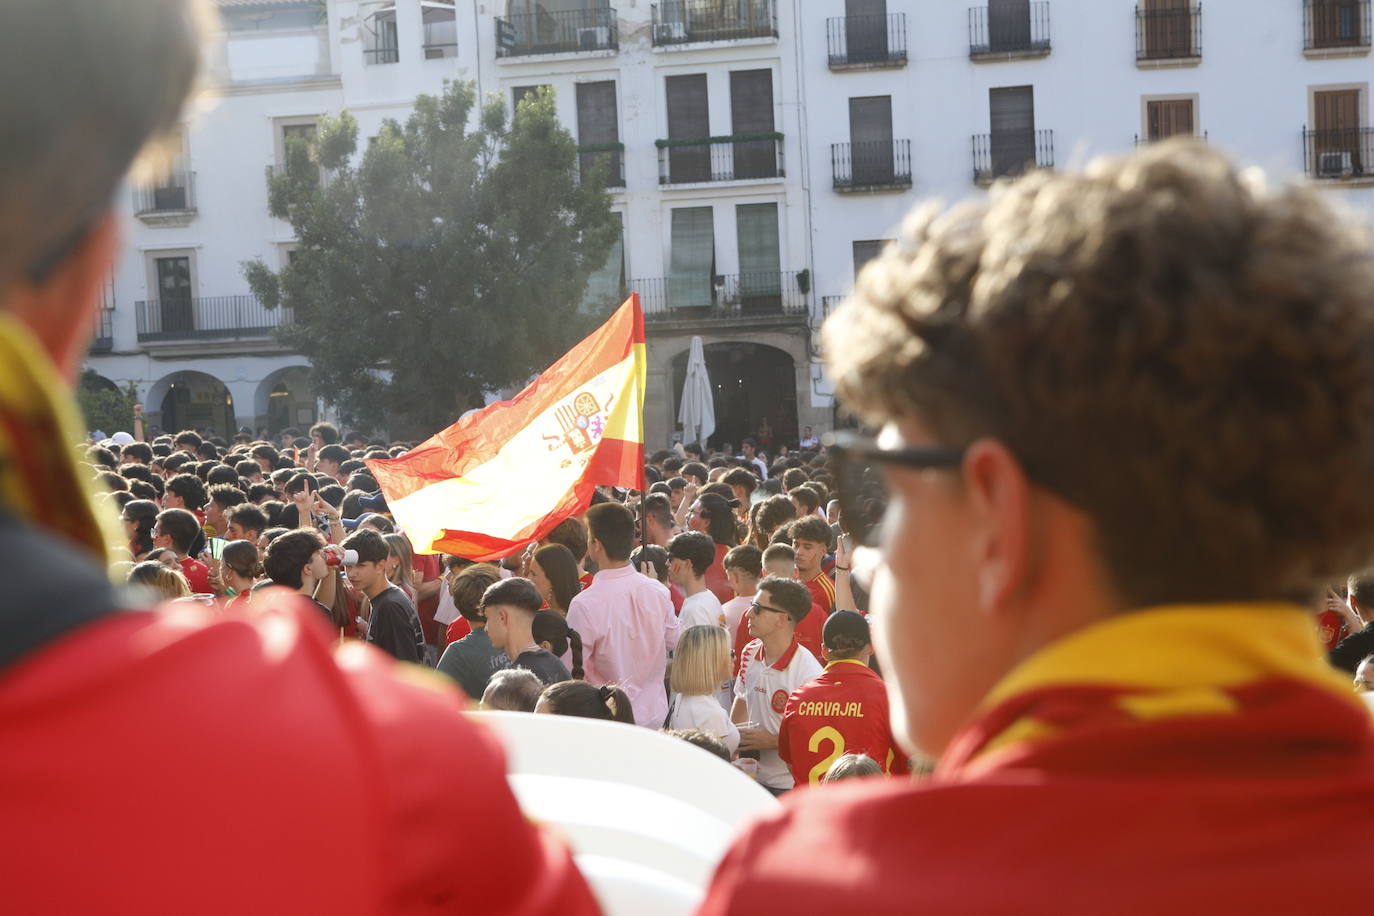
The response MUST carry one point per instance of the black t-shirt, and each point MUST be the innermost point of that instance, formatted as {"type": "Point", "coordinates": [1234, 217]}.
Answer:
{"type": "Point", "coordinates": [395, 626]}
{"type": "Point", "coordinates": [543, 664]}
{"type": "Point", "coordinates": [1352, 650]}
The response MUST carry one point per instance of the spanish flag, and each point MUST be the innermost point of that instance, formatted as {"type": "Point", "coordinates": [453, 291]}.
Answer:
{"type": "Point", "coordinates": [506, 475]}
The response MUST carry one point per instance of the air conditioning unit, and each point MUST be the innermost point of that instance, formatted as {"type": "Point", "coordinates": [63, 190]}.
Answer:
{"type": "Point", "coordinates": [594, 38]}
{"type": "Point", "coordinates": [669, 32]}
{"type": "Point", "coordinates": [1335, 165]}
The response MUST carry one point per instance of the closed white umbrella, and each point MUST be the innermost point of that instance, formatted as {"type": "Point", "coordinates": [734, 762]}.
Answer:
{"type": "Point", "coordinates": [697, 412]}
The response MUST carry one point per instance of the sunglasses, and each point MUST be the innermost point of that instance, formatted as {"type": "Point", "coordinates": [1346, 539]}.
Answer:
{"type": "Point", "coordinates": [756, 608]}
{"type": "Point", "coordinates": [859, 487]}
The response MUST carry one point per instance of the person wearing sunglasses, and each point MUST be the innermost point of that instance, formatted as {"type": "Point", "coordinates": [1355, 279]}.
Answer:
{"type": "Point", "coordinates": [1125, 432]}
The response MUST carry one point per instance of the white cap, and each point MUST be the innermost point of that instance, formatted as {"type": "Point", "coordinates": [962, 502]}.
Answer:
{"type": "Point", "coordinates": [121, 439]}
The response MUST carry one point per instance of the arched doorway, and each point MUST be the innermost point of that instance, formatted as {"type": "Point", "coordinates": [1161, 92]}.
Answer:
{"type": "Point", "coordinates": [286, 398]}
{"type": "Point", "coordinates": [194, 400]}
{"type": "Point", "coordinates": [751, 381]}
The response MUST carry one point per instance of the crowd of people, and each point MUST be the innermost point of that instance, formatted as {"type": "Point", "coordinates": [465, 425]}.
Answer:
{"type": "Point", "coordinates": [715, 605]}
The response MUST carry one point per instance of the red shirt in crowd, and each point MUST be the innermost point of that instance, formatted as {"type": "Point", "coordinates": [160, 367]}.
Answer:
{"type": "Point", "coordinates": [241, 746]}
{"type": "Point", "coordinates": [197, 575]}
{"type": "Point", "coordinates": [844, 711]}
{"type": "Point", "coordinates": [432, 568]}
{"type": "Point", "coordinates": [715, 576]}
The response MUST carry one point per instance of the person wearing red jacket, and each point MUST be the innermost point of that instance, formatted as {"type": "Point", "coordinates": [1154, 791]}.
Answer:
{"type": "Point", "coordinates": [171, 761]}
{"type": "Point", "coordinates": [844, 711]}
{"type": "Point", "coordinates": [1126, 430]}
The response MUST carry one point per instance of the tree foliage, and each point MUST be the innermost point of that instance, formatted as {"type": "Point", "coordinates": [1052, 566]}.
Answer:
{"type": "Point", "coordinates": [104, 408]}
{"type": "Point", "coordinates": [447, 261]}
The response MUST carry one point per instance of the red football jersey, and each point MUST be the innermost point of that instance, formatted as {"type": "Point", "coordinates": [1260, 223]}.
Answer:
{"type": "Point", "coordinates": [197, 575]}
{"type": "Point", "coordinates": [844, 711]}
{"type": "Point", "coordinates": [822, 589]}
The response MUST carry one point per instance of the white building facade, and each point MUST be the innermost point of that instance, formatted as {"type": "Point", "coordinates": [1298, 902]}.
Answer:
{"type": "Point", "coordinates": [760, 151]}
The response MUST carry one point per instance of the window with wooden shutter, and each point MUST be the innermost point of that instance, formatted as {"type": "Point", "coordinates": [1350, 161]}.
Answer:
{"type": "Point", "coordinates": [1011, 111]}
{"type": "Point", "coordinates": [693, 258]}
{"type": "Point", "coordinates": [1335, 23]}
{"type": "Point", "coordinates": [1009, 25]}
{"type": "Point", "coordinates": [1169, 118]}
{"type": "Point", "coordinates": [751, 112]}
{"type": "Point", "coordinates": [865, 251]}
{"type": "Point", "coordinates": [598, 126]}
{"type": "Point", "coordinates": [1168, 28]}
{"type": "Point", "coordinates": [689, 118]}
{"type": "Point", "coordinates": [760, 263]}
{"type": "Point", "coordinates": [1338, 138]}
{"type": "Point", "coordinates": [866, 29]}
{"type": "Point", "coordinates": [870, 140]}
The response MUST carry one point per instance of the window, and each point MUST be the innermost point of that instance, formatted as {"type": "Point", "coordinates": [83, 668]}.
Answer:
{"type": "Point", "coordinates": [751, 113]}
{"type": "Point", "coordinates": [598, 131]}
{"type": "Point", "coordinates": [870, 137]}
{"type": "Point", "coordinates": [1166, 29]}
{"type": "Point", "coordinates": [173, 310]}
{"type": "Point", "coordinates": [606, 286]}
{"type": "Point", "coordinates": [866, 30]}
{"type": "Point", "coordinates": [291, 131]}
{"type": "Point", "coordinates": [866, 251]}
{"type": "Point", "coordinates": [381, 44]}
{"type": "Point", "coordinates": [1337, 23]}
{"type": "Point", "coordinates": [1340, 143]}
{"type": "Point", "coordinates": [1012, 142]}
{"type": "Point", "coordinates": [1165, 118]}
{"type": "Point", "coordinates": [693, 258]}
{"type": "Point", "coordinates": [1009, 25]}
{"type": "Point", "coordinates": [760, 265]}
{"type": "Point", "coordinates": [688, 119]}
{"type": "Point", "coordinates": [441, 29]}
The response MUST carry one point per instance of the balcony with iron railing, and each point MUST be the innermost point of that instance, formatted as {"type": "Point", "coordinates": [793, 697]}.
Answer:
{"type": "Point", "coordinates": [562, 32]}
{"type": "Point", "coordinates": [830, 304]}
{"type": "Point", "coordinates": [866, 42]}
{"type": "Point", "coordinates": [878, 166]}
{"type": "Point", "coordinates": [1006, 33]}
{"type": "Point", "coordinates": [743, 157]}
{"type": "Point", "coordinates": [1168, 37]}
{"type": "Point", "coordinates": [1336, 27]}
{"type": "Point", "coordinates": [171, 202]}
{"type": "Point", "coordinates": [1010, 153]}
{"type": "Point", "coordinates": [610, 157]}
{"type": "Point", "coordinates": [681, 22]}
{"type": "Point", "coordinates": [103, 342]}
{"type": "Point", "coordinates": [190, 319]}
{"type": "Point", "coordinates": [761, 295]}
{"type": "Point", "coordinates": [1345, 154]}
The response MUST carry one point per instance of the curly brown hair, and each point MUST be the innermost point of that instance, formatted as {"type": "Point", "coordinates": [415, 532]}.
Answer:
{"type": "Point", "coordinates": [1185, 356]}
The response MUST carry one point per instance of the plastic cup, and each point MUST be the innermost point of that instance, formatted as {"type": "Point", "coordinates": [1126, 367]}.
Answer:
{"type": "Point", "coordinates": [748, 766]}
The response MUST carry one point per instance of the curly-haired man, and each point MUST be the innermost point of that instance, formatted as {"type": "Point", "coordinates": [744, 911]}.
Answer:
{"type": "Point", "coordinates": [1127, 426]}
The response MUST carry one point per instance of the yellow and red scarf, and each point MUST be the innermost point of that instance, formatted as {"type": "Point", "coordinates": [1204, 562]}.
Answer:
{"type": "Point", "coordinates": [40, 481]}
{"type": "Point", "coordinates": [1187, 672]}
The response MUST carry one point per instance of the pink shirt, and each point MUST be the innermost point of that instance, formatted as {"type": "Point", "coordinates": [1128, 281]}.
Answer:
{"type": "Point", "coordinates": [628, 627]}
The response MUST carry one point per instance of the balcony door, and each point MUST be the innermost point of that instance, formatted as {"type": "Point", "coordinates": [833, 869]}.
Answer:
{"type": "Point", "coordinates": [1337, 143]}
{"type": "Point", "coordinates": [1169, 118]}
{"type": "Point", "coordinates": [751, 112]}
{"type": "Point", "coordinates": [689, 118]}
{"type": "Point", "coordinates": [870, 140]}
{"type": "Point", "coordinates": [693, 258]}
{"type": "Point", "coordinates": [865, 24]}
{"type": "Point", "coordinates": [174, 294]}
{"type": "Point", "coordinates": [1012, 113]}
{"type": "Point", "coordinates": [1009, 25]}
{"type": "Point", "coordinates": [760, 262]}
{"type": "Point", "coordinates": [598, 126]}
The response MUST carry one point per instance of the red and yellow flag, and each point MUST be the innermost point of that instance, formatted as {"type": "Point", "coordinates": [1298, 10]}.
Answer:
{"type": "Point", "coordinates": [507, 474]}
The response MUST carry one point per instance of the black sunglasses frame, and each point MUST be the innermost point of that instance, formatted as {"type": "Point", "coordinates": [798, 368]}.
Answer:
{"type": "Point", "coordinates": [854, 454]}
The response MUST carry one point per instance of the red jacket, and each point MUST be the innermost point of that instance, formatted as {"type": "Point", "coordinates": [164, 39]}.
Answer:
{"type": "Point", "coordinates": [174, 763]}
{"type": "Point", "coordinates": [1215, 767]}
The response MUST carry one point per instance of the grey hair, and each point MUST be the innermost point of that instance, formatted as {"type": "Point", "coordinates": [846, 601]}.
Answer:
{"type": "Point", "coordinates": [513, 689]}
{"type": "Point", "coordinates": [85, 87]}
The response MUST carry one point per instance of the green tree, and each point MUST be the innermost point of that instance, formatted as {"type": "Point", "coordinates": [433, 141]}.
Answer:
{"type": "Point", "coordinates": [105, 408]}
{"type": "Point", "coordinates": [450, 261]}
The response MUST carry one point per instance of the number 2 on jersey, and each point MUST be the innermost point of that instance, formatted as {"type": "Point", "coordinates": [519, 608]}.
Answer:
{"type": "Point", "coordinates": [814, 745]}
